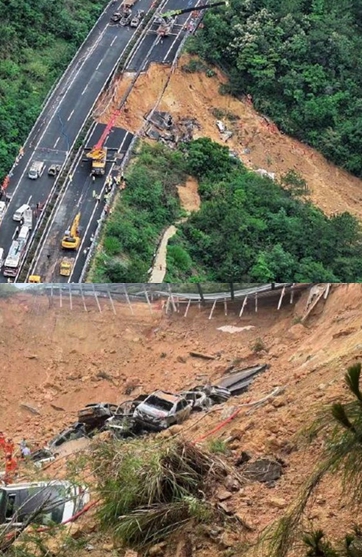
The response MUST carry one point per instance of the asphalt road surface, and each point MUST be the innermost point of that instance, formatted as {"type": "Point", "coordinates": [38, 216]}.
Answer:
{"type": "Point", "coordinates": [64, 115]}
{"type": "Point", "coordinates": [81, 195]}
{"type": "Point", "coordinates": [167, 47]}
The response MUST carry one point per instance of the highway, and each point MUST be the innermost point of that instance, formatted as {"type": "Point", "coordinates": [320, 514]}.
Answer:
{"type": "Point", "coordinates": [166, 48]}
{"type": "Point", "coordinates": [63, 116]}
{"type": "Point", "coordinates": [78, 194]}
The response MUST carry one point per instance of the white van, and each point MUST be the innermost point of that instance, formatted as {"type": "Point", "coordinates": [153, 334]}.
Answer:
{"type": "Point", "coordinates": [36, 170]}
{"type": "Point", "coordinates": [18, 215]}
{"type": "Point", "coordinates": [2, 260]}
{"type": "Point", "coordinates": [24, 233]}
{"type": "Point", "coordinates": [59, 502]}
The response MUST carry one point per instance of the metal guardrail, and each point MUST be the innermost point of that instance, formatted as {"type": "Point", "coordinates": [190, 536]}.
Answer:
{"type": "Point", "coordinates": [139, 290]}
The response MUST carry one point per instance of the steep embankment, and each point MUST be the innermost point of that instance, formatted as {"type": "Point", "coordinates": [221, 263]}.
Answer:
{"type": "Point", "coordinates": [194, 95]}
{"type": "Point", "coordinates": [72, 358]}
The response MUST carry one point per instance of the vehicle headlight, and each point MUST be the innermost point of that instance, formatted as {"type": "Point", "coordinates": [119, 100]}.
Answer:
{"type": "Point", "coordinates": [163, 424]}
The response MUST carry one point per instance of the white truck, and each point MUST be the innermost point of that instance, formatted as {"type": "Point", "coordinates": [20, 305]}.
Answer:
{"type": "Point", "coordinates": [15, 256]}
{"type": "Point", "coordinates": [2, 210]}
{"type": "Point", "coordinates": [58, 501]}
{"type": "Point", "coordinates": [36, 170]}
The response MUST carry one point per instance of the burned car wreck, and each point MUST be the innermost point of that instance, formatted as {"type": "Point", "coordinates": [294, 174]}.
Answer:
{"type": "Point", "coordinates": [122, 424]}
{"type": "Point", "coordinates": [161, 410]}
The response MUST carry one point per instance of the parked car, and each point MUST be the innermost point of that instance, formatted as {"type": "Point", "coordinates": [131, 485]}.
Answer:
{"type": "Point", "coordinates": [58, 500]}
{"type": "Point", "coordinates": [76, 431]}
{"type": "Point", "coordinates": [161, 409]}
{"type": "Point", "coordinates": [96, 414]}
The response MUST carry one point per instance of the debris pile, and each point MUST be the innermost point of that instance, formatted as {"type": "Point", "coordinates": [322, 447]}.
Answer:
{"type": "Point", "coordinates": [163, 127]}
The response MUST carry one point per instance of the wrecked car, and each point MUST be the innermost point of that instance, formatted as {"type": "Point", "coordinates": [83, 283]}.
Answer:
{"type": "Point", "coordinates": [137, 18]}
{"type": "Point", "coordinates": [161, 410]}
{"type": "Point", "coordinates": [116, 17]}
{"type": "Point", "coordinates": [53, 170]}
{"type": "Point", "coordinates": [199, 400]}
{"type": "Point", "coordinates": [57, 502]}
{"type": "Point", "coordinates": [95, 415]}
{"type": "Point", "coordinates": [123, 424]}
{"type": "Point", "coordinates": [218, 395]}
{"type": "Point", "coordinates": [76, 431]}
{"type": "Point", "coordinates": [42, 456]}
{"type": "Point", "coordinates": [126, 19]}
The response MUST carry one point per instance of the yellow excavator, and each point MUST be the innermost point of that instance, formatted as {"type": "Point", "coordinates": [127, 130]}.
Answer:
{"type": "Point", "coordinates": [71, 238]}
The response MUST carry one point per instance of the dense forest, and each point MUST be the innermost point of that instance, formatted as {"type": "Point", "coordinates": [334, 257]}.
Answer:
{"type": "Point", "coordinates": [248, 229]}
{"type": "Point", "coordinates": [300, 61]}
{"type": "Point", "coordinates": [37, 41]}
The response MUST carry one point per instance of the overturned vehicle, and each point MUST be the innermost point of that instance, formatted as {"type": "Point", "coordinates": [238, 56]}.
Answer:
{"type": "Point", "coordinates": [202, 397]}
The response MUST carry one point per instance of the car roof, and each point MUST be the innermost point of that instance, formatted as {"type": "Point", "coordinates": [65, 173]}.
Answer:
{"type": "Point", "coordinates": [170, 397]}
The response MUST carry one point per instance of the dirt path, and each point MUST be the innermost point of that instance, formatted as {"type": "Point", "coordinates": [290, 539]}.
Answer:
{"type": "Point", "coordinates": [190, 201]}
{"type": "Point", "coordinates": [159, 266]}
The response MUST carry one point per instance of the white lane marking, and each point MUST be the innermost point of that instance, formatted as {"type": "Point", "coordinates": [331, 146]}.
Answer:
{"type": "Point", "coordinates": [56, 143]}
{"type": "Point", "coordinates": [55, 112]}
{"type": "Point", "coordinates": [70, 115]}
{"type": "Point", "coordinates": [85, 88]}
{"type": "Point", "coordinates": [99, 63]}
{"type": "Point", "coordinates": [113, 40]}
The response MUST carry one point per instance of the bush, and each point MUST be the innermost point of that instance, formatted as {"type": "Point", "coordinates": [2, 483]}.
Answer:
{"type": "Point", "coordinates": [149, 490]}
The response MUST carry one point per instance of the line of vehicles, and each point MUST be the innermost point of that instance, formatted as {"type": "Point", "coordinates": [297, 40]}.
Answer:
{"type": "Point", "coordinates": [24, 217]}
{"type": "Point", "coordinates": [124, 15]}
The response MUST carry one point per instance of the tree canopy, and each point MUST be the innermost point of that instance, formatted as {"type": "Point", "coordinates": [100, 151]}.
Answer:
{"type": "Point", "coordinates": [300, 60]}
{"type": "Point", "coordinates": [249, 228]}
{"type": "Point", "coordinates": [37, 41]}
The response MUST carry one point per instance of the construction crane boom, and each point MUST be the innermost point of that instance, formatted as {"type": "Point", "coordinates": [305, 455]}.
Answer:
{"type": "Point", "coordinates": [173, 13]}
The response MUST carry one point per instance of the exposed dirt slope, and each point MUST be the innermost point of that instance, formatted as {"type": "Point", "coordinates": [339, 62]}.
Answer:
{"type": "Point", "coordinates": [195, 96]}
{"type": "Point", "coordinates": [52, 356]}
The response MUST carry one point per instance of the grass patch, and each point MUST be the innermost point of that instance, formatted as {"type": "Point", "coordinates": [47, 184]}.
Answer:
{"type": "Point", "coordinates": [217, 446]}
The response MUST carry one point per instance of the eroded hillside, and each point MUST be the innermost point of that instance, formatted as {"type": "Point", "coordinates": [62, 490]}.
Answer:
{"type": "Point", "coordinates": [194, 95]}
{"type": "Point", "coordinates": [56, 360]}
